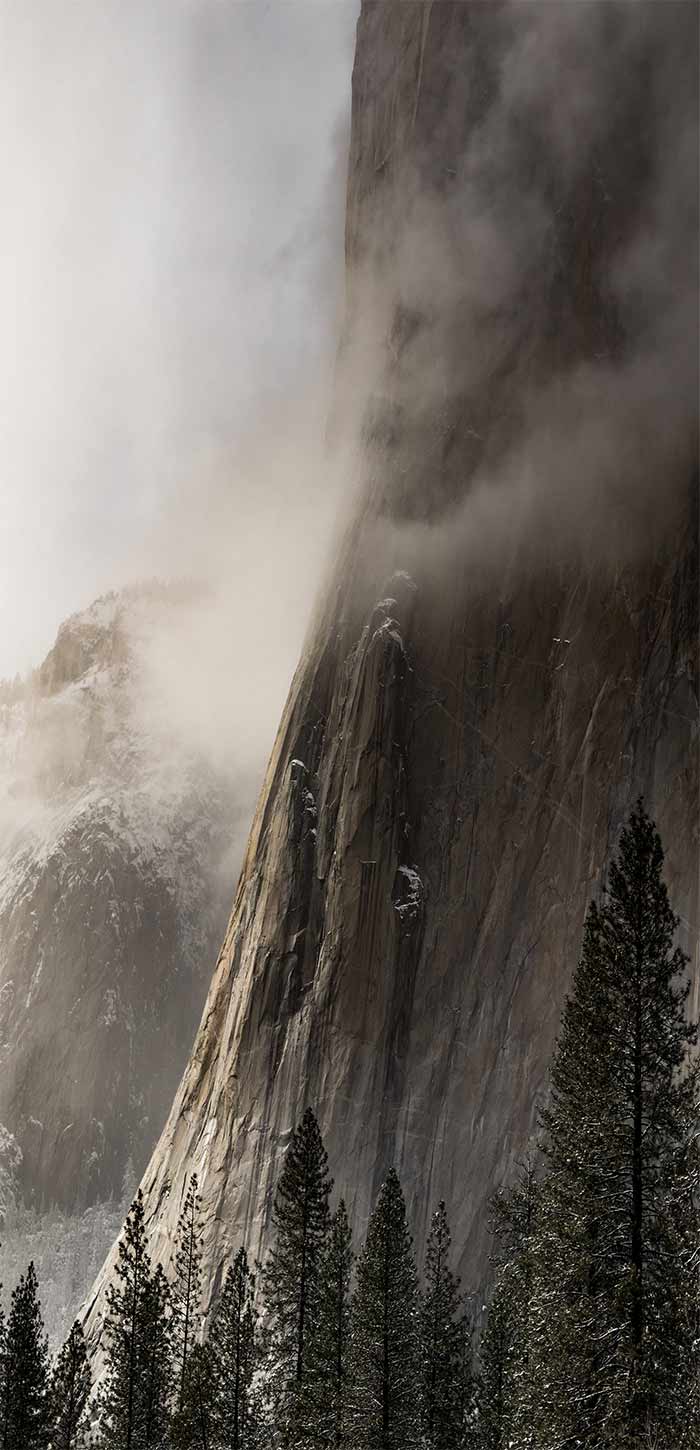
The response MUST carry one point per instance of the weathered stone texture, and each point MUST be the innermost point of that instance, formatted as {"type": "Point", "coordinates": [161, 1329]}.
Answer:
{"type": "Point", "coordinates": [457, 755]}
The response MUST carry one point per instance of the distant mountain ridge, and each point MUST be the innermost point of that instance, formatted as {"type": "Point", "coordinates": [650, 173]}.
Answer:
{"type": "Point", "coordinates": [111, 903]}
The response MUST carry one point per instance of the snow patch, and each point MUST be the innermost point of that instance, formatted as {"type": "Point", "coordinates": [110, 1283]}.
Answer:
{"type": "Point", "coordinates": [410, 894]}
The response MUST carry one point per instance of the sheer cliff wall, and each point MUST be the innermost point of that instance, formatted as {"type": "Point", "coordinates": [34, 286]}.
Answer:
{"type": "Point", "coordinates": [485, 690]}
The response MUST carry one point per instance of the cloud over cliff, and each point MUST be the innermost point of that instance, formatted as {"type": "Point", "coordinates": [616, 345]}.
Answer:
{"type": "Point", "coordinates": [531, 303]}
{"type": "Point", "coordinates": [173, 178]}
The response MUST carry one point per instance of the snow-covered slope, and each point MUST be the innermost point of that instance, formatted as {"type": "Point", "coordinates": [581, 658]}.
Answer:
{"type": "Point", "coordinates": [112, 901]}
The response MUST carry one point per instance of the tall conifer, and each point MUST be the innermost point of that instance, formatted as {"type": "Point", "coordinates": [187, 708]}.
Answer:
{"type": "Point", "coordinates": [291, 1278]}
{"type": "Point", "coordinates": [384, 1411]}
{"type": "Point", "coordinates": [27, 1369]}
{"type": "Point", "coordinates": [507, 1384]}
{"type": "Point", "coordinates": [71, 1388]}
{"type": "Point", "coordinates": [617, 1291]}
{"type": "Point", "coordinates": [187, 1286]}
{"type": "Point", "coordinates": [329, 1349]}
{"type": "Point", "coordinates": [445, 1344]}
{"type": "Point", "coordinates": [156, 1359]}
{"type": "Point", "coordinates": [4, 1379]}
{"type": "Point", "coordinates": [497, 1386]}
{"type": "Point", "coordinates": [124, 1399]}
{"type": "Point", "coordinates": [234, 1352]}
{"type": "Point", "coordinates": [194, 1422]}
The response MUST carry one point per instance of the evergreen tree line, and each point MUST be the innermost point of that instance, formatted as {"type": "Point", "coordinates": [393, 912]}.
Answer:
{"type": "Point", "coordinates": [592, 1334]}
{"type": "Point", "coordinates": [329, 1353]}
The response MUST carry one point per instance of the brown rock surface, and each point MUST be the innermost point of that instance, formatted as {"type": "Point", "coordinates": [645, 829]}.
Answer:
{"type": "Point", "coordinates": [460, 747]}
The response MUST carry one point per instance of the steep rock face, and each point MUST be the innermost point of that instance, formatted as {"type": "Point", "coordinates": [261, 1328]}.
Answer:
{"type": "Point", "coordinates": [468, 726]}
{"type": "Point", "coordinates": [109, 908]}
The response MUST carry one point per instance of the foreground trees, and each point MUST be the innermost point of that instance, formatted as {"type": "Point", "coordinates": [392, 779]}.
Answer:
{"type": "Point", "coordinates": [71, 1388]}
{"type": "Point", "coordinates": [193, 1423]}
{"type": "Point", "coordinates": [187, 1287]}
{"type": "Point", "coordinates": [329, 1349]}
{"type": "Point", "coordinates": [618, 1214]}
{"type": "Point", "coordinates": [447, 1400]}
{"type": "Point", "coordinates": [313, 1367]}
{"type": "Point", "coordinates": [136, 1398]}
{"type": "Point", "coordinates": [26, 1410]}
{"type": "Point", "coordinates": [385, 1351]}
{"type": "Point", "coordinates": [301, 1219]}
{"type": "Point", "coordinates": [508, 1391]}
{"type": "Point", "coordinates": [593, 1332]}
{"type": "Point", "coordinates": [611, 1358]}
{"type": "Point", "coordinates": [234, 1346]}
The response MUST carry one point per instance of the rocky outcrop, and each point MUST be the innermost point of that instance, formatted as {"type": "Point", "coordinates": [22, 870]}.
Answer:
{"type": "Point", "coordinates": [476, 708]}
{"type": "Point", "coordinates": [109, 907]}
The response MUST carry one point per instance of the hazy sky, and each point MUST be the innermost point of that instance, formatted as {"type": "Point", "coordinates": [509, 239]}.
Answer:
{"type": "Point", "coordinates": [172, 174]}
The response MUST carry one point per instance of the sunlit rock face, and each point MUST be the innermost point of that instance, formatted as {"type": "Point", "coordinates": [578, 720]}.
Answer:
{"type": "Point", "coordinates": [485, 691]}
{"type": "Point", "coordinates": [110, 906]}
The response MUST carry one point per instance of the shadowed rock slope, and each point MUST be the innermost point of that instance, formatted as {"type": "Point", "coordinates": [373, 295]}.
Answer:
{"type": "Point", "coordinates": [109, 906]}
{"type": "Point", "coordinates": [470, 721]}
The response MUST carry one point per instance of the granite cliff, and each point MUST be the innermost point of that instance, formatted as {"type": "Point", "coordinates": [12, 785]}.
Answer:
{"type": "Point", "coordinates": [495, 671]}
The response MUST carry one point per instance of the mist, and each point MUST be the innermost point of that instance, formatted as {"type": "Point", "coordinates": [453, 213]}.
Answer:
{"type": "Point", "coordinates": [577, 429]}
{"type": "Point", "coordinates": [577, 432]}
{"type": "Point", "coordinates": [173, 293]}
{"type": "Point", "coordinates": [173, 177]}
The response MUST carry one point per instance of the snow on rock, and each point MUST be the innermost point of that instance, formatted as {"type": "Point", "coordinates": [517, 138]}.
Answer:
{"type": "Point", "coordinates": [112, 902]}
{"type": "Point", "coordinates": [408, 895]}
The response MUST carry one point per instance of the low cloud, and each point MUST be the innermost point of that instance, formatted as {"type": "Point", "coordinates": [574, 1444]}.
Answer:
{"type": "Point", "coordinates": [173, 177]}
{"type": "Point", "coordinates": [530, 307]}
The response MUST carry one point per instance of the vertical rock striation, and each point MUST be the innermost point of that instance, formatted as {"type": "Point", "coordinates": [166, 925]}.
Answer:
{"type": "Point", "coordinates": [470, 720]}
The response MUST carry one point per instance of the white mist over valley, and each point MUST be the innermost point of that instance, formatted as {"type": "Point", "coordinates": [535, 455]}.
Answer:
{"type": "Point", "coordinates": [170, 292]}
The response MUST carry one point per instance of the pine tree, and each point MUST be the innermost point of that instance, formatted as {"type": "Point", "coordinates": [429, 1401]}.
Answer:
{"type": "Point", "coordinates": [445, 1345]}
{"type": "Point", "coordinates": [127, 1400]}
{"type": "Point", "coordinates": [331, 1338]}
{"type": "Point", "coordinates": [291, 1278]}
{"type": "Point", "coordinates": [71, 1388]}
{"type": "Point", "coordinates": [688, 1216]}
{"type": "Point", "coordinates": [507, 1384]}
{"type": "Point", "coordinates": [384, 1409]}
{"type": "Point", "coordinates": [156, 1358]}
{"type": "Point", "coordinates": [497, 1381]}
{"type": "Point", "coordinates": [233, 1347]}
{"type": "Point", "coordinates": [194, 1422]}
{"type": "Point", "coordinates": [616, 1345]}
{"type": "Point", "coordinates": [4, 1379]}
{"type": "Point", "coordinates": [187, 1287]}
{"type": "Point", "coordinates": [27, 1370]}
